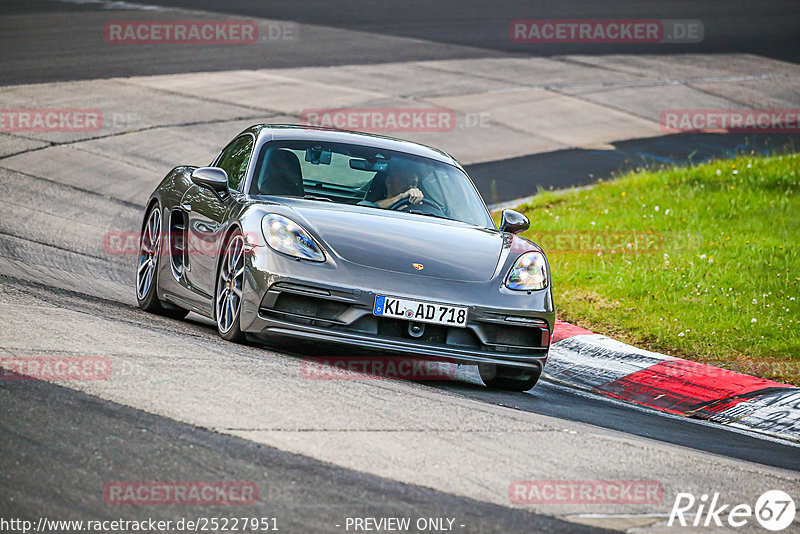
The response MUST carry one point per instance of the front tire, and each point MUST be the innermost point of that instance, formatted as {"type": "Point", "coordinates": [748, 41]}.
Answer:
{"type": "Point", "coordinates": [147, 268]}
{"type": "Point", "coordinates": [508, 378]}
{"type": "Point", "coordinates": [229, 289]}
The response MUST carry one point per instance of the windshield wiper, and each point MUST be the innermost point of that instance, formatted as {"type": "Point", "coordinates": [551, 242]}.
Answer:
{"type": "Point", "coordinates": [314, 197]}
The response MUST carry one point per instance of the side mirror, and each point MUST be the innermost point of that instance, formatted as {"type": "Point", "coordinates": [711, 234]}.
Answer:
{"type": "Point", "coordinates": [513, 222]}
{"type": "Point", "coordinates": [212, 178]}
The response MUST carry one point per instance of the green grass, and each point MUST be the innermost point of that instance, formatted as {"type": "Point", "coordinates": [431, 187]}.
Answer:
{"type": "Point", "coordinates": [700, 262]}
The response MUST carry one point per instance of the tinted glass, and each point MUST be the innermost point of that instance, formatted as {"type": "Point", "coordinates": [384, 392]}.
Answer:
{"type": "Point", "coordinates": [235, 158]}
{"type": "Point", "coordinates": [364, 176]}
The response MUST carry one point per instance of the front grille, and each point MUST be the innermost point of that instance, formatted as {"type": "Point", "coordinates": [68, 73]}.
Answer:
{"type": "Point", "coordinates": [399, 329]}
{"type": "Point", "coordinates": [516, 336]}
{"type": "Point", "coordinates": [311, 309]}
{"type": "Point", "coordinates": [309, 306]}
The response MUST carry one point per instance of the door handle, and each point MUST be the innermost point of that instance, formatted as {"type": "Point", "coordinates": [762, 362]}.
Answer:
{"type": "Point", "coordinates": [186, 206]}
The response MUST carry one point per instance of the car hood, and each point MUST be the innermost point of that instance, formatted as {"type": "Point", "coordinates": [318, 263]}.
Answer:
{"type": "Point", "coordinates": [395, 242]}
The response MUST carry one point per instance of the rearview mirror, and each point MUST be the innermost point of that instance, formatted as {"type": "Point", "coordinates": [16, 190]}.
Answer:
{"type": "Point", "coordinates": [318, 156]}
{"type": "Point", "coordinates": [212, 178]}
{"type": "Point", "coordinates": [364, 165]}
{"type": "Point", "coordinates": [513, 222]}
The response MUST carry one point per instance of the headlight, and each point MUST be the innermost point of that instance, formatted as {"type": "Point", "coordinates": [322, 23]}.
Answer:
{"type": "Point", "coordinates": [285, 235]}
{"type": "Point", "coordinates": [528, 273]}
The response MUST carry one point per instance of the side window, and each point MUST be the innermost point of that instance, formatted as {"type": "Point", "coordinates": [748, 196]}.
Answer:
{"type": "Point", "coordinates": [234, 159]}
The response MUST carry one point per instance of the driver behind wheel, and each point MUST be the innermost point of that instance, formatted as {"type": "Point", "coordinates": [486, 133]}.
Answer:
{"type": "Point", "coordinates": [402, 182]}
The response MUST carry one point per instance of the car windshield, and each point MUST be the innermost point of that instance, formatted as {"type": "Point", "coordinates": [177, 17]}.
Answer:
{"type": "Point", "coordinates": [365, 176]}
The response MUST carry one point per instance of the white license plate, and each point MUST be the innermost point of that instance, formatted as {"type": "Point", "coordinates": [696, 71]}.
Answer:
{"type": "Point", "coordinates": [423, 312]}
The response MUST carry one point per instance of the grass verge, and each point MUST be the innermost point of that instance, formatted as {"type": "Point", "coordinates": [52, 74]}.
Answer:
{"type": "Point", "coordinates": [700, 262]}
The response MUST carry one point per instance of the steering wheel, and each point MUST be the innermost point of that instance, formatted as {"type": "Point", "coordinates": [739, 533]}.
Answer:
{"type": "Point", "coordinates": [405, 204]}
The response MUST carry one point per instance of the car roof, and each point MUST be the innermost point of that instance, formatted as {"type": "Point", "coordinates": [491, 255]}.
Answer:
{"type": "Point", "coordinates": [295, 132]}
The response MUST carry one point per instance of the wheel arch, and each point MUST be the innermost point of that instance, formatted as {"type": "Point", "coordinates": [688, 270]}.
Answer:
{"type": "Point", "coordinates": [154, 200]}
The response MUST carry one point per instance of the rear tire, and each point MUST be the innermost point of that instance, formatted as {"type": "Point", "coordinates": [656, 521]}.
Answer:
{"type": "Point", "coordinates": [147, 268]}
{"type": "Point", "coordinates": [229, 289]}
{"type": "Point", "coordinates": [508, 378]}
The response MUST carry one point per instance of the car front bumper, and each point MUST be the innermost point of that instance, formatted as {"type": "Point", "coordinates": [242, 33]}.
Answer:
{"type": "Point", "coordinates": [333, 306]}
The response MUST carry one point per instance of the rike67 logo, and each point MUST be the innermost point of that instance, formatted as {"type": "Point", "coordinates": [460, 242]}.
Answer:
{"type": "Point", "coordinates": [774, 510]}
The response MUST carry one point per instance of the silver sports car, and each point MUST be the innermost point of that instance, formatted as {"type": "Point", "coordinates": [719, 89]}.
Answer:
{"type": "Point", "coordinates": [348, 239]}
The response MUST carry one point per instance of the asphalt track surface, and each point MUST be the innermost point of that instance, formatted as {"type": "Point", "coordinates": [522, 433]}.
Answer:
{"type": "Point", "coordinates": [71, 444]}
{"type": "Point", "coordinates": [51, 41]}
{"type": "Point", "coordinates": [67, 47]}
{"type": "Point", "coordinates": [60, 446]}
